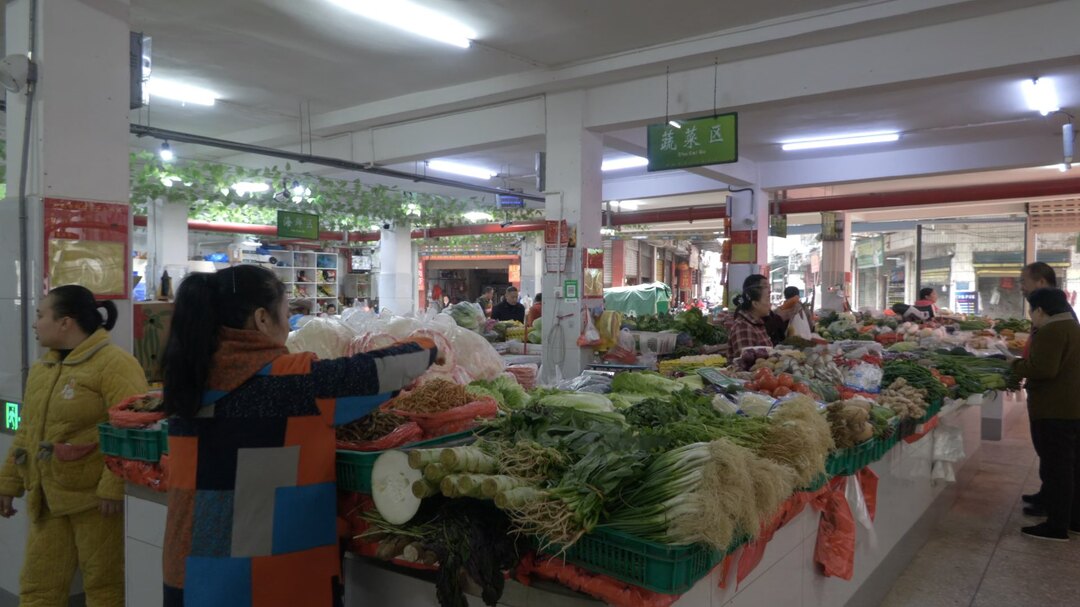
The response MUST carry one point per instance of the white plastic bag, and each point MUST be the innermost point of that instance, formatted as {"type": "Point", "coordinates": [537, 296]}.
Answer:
{"type": "Point", "coordinates": [854, 494]}
{"type": "Point", "coordinates": [799, 326]}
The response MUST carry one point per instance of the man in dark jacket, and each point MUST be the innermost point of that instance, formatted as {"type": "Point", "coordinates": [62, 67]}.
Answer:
{"type": "Point", "coordinates": [775, 326]}
{"type": "Point", "coordinates": [509, 308]}
{"type": "Point", "coordinates": [1052, 383]}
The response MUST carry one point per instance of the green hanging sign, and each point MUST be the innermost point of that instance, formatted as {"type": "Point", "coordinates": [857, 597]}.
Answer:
{"type": "Point", "coordinates": [694, 143]}
{"type": "Point", "coordinates": [297, 225]}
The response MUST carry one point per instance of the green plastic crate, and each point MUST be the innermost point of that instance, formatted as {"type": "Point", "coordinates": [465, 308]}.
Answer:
{"type": "Point", "coordinates": [650, 565]}
{"type": "Point", "coordinates": [354, 467]}
{"type": "Point", "coordinates": [845, 462]}
{"type": "Point", "coordinates": [134, 443]}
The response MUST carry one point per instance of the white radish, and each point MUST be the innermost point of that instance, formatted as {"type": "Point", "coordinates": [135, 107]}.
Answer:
{"type": "Point", "coordinates": [391, 487]}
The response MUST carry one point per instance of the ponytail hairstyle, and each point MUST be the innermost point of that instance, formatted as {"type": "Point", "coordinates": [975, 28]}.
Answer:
{"type": "Point", "coordinates": [205, 303]}
{"type": "Point", "coordinates": [78, 303]}
{"type": "Point", "coordinates": [745, 300]}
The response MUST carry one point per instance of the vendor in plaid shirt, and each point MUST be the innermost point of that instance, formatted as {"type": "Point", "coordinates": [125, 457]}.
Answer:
{"type": "Point", "coordinates": [748, 330]}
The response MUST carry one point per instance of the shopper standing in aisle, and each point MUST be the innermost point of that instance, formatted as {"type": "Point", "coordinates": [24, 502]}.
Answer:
{"type": "Point", "coordinates": [748, 329]}
{"type": "Point", "coordinates": [487, 300]}
{"type": "Point", "coordinates": [1053, 383]}
{"type": "Point", "coordinates": [1033, 277]}
{"type": "Point", "coordinates": [75, 504]}
{"type": "Point", "coordinates": [252, 493]}
{"type": "Point", "coordinates": [775, 326]}
{"type": "Point", "coordinates": [509, 308]}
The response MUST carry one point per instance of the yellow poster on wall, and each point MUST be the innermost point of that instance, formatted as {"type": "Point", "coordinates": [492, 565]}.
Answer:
{"type": "Point", "coordinates": [98, 266]}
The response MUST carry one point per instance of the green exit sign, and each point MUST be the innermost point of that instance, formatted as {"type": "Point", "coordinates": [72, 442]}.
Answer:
{"type": "Point", "coordinates": [12, 416]}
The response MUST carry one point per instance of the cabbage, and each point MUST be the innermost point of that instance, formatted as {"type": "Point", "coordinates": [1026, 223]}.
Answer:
{"type": "Point", "coordinates": [643, 383]}
{"type": "Point", "coordinates": [508, 393]}
{"type": "Point", "coordinates": [596, 403]}
{"type": "Point", "coordinates": [326, 337]}
{"type": "Point", "coordinates": [467, 315]}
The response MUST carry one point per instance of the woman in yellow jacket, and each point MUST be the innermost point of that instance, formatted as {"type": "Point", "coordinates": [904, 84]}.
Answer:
{"type": "Point", "coordinates": [74, 502]}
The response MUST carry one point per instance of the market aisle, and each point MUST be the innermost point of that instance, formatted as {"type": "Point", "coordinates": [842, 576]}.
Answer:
{"type": "Point", "coordinates": [977, 556]}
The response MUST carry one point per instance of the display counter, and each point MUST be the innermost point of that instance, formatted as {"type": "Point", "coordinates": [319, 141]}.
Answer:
{"type": "Point", "coordinates": [909, 503]}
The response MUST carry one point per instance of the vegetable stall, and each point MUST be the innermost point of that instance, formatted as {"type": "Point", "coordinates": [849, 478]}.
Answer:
{"type": "Point", "coordinates": [475, 482]}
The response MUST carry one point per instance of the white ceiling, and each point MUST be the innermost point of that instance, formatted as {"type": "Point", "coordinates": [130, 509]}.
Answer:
{"type": "Point", "coordinates": [267, 57]}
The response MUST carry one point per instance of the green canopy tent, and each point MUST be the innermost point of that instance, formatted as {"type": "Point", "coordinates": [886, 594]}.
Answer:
{"type": "Point", "coordinates": [640, 300]}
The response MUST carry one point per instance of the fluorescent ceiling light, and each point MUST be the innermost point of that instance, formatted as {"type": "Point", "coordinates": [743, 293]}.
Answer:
{"type": "Point", "coordinates": [250, 187]}
{"type": "Point", "coordinates": [1041, 95]}
{"type": "Point", "coordinates": [445, 166]}
{"type": "Point", "coordinates": [183, 93]}
{"type": "Point", "coordinates": [478, 216]}
{"type": "Point", "coordinates": [625, 205]}
{"type": "Point", "coordinates": [641, 237]}
{"type": "Point", "coordinates": [675, 123]}
{"type": "Point", "coordinates": [412, 18]}
{"type": "Point", "coordinates": [625, 162]}
{"type": "Point", "coordinates": [840, 140]}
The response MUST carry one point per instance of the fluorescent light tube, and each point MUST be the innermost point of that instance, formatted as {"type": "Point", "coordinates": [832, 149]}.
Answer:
{"type": "Point", "coordinates": [183, 93]}
{"type": "Point", "coordinates": [1041, 95]}
{"type": "Point", "coordinates": [626, 162]}
{"type": "Point", "coordinates": [444, 166]}
{"type": "Point", "coordinates": [478, 216]}
{"type": "Point", "coordinates": [675, 123]}
{"type": "Point", "coordinates": [412, 18]}
{"type": "Point", "coordinates": [250, 187]}
{"type": "Point", "coordinates": [840, 140]}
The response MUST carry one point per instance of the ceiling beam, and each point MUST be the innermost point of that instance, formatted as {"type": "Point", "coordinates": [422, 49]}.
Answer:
{"type": "Point", "coordinates": [740, 47]}
{"type": "Point", "coordinates": [1010, 39]}
{"type": "Point", "coordinates": [871, 166]}
{"type": "Point", "coordinates": [653, 185]}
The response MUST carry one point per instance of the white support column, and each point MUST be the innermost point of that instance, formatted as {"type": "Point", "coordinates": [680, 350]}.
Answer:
{"type": "Point", "coordinates": [78, 150]}
{"type": "Point", "coordinates": [397, 285]}
{"type": "Point", "coordinates": [836, 268]}
{"type": "Point", "coordinates": [574, 183]}
{"type": "Point", "coordinates": [532, 263]}
{"type": "Point", "coordinates": [750, 238]}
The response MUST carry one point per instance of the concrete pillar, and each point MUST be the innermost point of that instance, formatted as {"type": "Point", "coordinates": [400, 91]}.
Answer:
{"type": "Point", "coordinates": [532, 263]}
{"type": "Point", "coordinates": [78, 150]}
{"type": "Point", "coordinates": [836, 268]}
{"type": "Point", "coordinates": [574, 194]}
{"type": "Point", "coordinates": [749, 237]}
{"type": "Point", "coordinates": [397, 286]}
{"type": "Point", "coordinates": [167, 233]}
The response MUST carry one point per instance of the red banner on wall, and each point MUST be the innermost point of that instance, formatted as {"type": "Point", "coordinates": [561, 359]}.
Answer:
{"type": "Point", "coordinates": [88, 243]}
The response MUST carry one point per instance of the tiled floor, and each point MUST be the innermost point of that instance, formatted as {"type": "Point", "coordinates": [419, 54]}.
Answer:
{"type": "Point", "coordinates": [977, 556]}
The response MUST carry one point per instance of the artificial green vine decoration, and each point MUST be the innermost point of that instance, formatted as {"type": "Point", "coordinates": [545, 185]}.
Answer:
{"type": "Point", "coordinates": [341, 205]}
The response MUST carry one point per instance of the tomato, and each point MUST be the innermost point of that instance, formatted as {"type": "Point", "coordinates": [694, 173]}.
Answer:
{"type": "Point", "coordinates": [786, 380]}
{"type": "Point", "coordinates": [752, 386]}
{"type": "Point", "coordinates": [802, 388]}
{"type": "Point", "coordinates": [763, 373]}
{"type": "Point", "coordinates": [781, 391]}
{"type": "Point", "coordinates": [768, 384]}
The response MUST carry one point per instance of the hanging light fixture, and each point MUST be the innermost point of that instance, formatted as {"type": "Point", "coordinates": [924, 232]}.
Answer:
{"type": "Point", "coordinates": [166, 152]}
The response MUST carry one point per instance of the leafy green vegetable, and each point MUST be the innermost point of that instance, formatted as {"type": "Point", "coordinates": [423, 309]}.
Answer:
{"type": "Point", "coordinates": [651, 384]}
{"type": "Point", "coordinates": [582, 401]}
{"type": "Point", "coordinates": [508, 393]}
{"type": "Point", "coordinates": [693, 323]}
{"type": "Point", "coordinates": [916, 375]}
